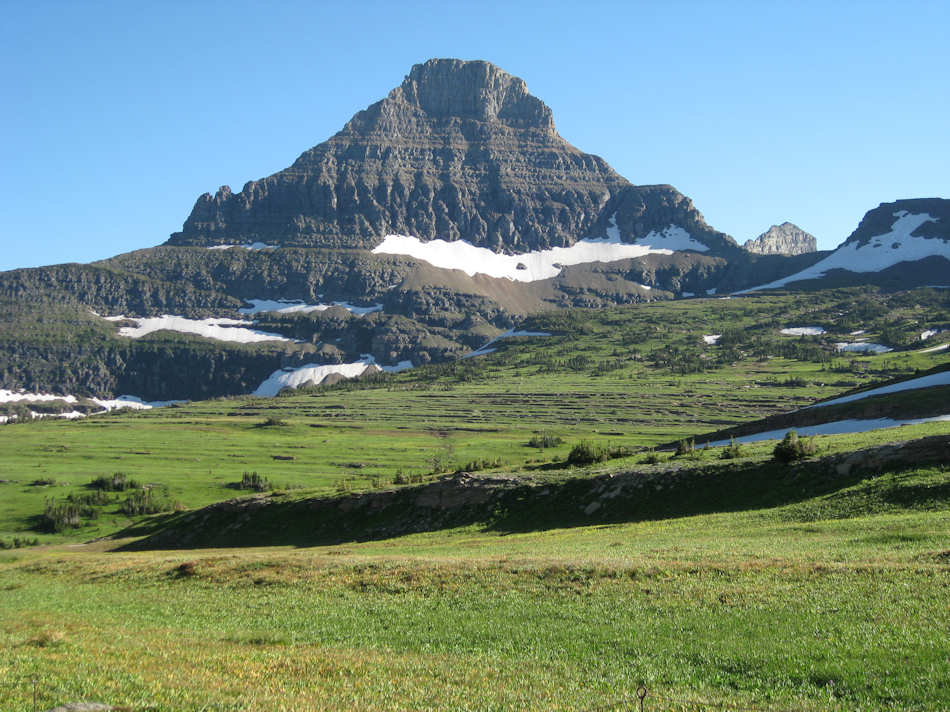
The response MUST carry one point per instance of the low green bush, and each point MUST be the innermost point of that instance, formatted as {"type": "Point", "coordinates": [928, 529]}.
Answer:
{"type": "Point", "coordinates": [793, 448]}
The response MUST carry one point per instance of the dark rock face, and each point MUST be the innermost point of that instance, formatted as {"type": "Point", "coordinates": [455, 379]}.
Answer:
{"type": "Point", "coordinates": [460, 150]}
{"type": "Point", "coordinates": [880, 220]}
{"type": "Point", "coordinates": [784, 239]}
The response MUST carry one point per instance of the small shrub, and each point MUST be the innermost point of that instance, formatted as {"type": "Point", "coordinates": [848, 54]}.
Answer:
{"type": "Point", "coordinates": [256, 482]}
{"type": "Point", "coordinates": [685, 447]}
{"type": "Point", "coordinates": [400, 478]}
{"type": "Point", "coordinates": [18, 542]}
{"type": "Point", "coordinates": [482, 464]}
{"type": "Point", "coordinates": [543, 440]}
{"type": "Point", "coordinates": [57, 518]}
{"type": "Point", "coordinates": [731, 452]}
{"type": "Point", "coordinates": [146, 501]}
{"type": "Point", "coordinates": [92, 499]}
{"type": "Point", "coordinates": [793, 448]}
{"type": "Point", "coordinates": [651, 458]}
{"type": "Point", "coordinates": [43, 482]}
{"type": "Point", "coordinates": [117, 482]}
{"type": "Point", "coordinates": [586, 453]}
{"type": "Point", "coordinates": [272, 422]}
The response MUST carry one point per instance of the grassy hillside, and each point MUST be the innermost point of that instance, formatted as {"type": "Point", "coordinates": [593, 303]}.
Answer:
{"type": "Point", "coordinates": [733, 581]}
{"type": "Point", "coordinates": [834, 602]}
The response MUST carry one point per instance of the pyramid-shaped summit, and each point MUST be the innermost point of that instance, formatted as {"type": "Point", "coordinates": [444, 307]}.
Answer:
{"type": "Point", "coordinates": [460, 150]}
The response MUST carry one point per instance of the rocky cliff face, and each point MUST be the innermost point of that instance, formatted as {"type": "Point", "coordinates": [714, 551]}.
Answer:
{"type": "Point", "coordinates": [460, 150]}
{"type": "Point", "coordinates": [784, 239]}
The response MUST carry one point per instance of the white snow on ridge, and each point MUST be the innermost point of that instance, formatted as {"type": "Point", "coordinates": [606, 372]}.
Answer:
{"type": "Point", "coordinates": [287, 306]}
{"type": "Point", "coordinates": [934, 379]}
{"type": "Point", "coordinates": [540, 264]}
{"type": "Point", "coordinates": [803, 331]}
{"type": "Point", "coordinates": [878, 253]}
{"type": "Point", "coordinates": [220, 329]}
{"type": "Point", "coordinates": [249, 246]}
{"type": "Point", "coordinates": [312, 372]}
{"type": "Point", "coordinates": [933, 349]}
{"type": "Point", "coordinates": [485, 348]}
{"type": "Point", "coordinates": [837, 427]}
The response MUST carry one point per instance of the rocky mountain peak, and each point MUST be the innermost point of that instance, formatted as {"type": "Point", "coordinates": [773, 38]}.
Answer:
{"type": "Point", "coordinates": [479, 90]}
{"type": "Point", "coordinates": [784, 239]}
{"type": "Point", "coordinates": [460, 150]}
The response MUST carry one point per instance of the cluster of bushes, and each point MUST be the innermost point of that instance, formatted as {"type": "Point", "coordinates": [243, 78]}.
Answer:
{"type": "Point", "coordinates": [482, 464]}
{"type": "Point", "coordinates": [543, 440]}
{"type": "Point", "coordinates": [18, 542]}
{"type": "Point", "coordinates": [793, 448]}
{"type": "Point", "coordinates": [117, 482]}
{"type": "Point", "coordinates": [256, 482]}
{"type": "Point", "coordinates": [147, 500]}
{"type": "Point", "coordinates": [586, 453]}
{"type": "Point", "coordinates": [59, 517]}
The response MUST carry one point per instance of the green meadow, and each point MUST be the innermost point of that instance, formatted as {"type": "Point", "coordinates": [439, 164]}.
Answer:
{"type": "Point", "coordinates": [835, 596]}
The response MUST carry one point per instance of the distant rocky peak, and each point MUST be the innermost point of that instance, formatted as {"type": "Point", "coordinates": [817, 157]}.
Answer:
{"type": "Point", "coordinates": [472, 89]}
{"type": "Point", "coordinates": [784, 239]}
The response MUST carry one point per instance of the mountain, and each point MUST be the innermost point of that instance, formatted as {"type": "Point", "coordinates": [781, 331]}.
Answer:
{"type": "Point", "coordinates": [459, 151]}
{"type": "Point", "coordinates": [784, 239]}
{"type": "Point", "coordinates": [436, 220]}
{"type": "Point", "coordinates": [902, 244]}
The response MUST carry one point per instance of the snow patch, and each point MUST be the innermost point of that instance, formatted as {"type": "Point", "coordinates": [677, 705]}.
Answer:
{"type": "Point", "coordinates": [934, 379]}
{"type": "Point", "coordinates": [219, 329]}
{"type": "Point", "coordinates": [712, 339]}
{"type": "Point", "coordinates": [248, 246]}
{"type": "Point", "coordinates": [288, 306]}
{"type": "Point", "coordinates": [862, 346]}
{"type": "Point", "coordinates": [924, 335]}
{"type": "Point", "coordinates": [934, 349]}
{"type": "Point", "coordinates": [837, 427]}
{"type": "Point", "coordinates": [313, 372]}
{"type": "Point", "coordinates": [803, 331]}
{"type": "Point", "coordinates": [878, 253]}
{"type": "Point", "coordinates": [15, 396]}
{"type": "Point", "coordinates": [540, 264]}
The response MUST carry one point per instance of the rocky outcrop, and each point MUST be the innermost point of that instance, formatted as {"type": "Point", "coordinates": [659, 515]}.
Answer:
{"type": "Point", "coordinates": [784, 239]}
{"type": "Point", "coordinates": [460, 150]}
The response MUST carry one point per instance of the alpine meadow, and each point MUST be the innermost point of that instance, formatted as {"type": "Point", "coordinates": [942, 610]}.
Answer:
{"type": "Point", "coordinates": [450, 415]}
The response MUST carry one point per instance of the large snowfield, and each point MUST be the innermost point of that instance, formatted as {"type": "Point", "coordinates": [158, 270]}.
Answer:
{"type": "Point", "coordinates": [220, 329]}
{"type": "Point", "coordinates": [540, 264]}
{"type": "Point", "coordinates": [878, 253]}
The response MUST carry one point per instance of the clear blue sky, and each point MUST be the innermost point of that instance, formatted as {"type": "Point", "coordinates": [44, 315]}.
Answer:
{"type": "Point", "coordinates": [117, 115]}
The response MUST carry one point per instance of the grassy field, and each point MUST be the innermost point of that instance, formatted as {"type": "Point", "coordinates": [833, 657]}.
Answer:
{"type": "Point", "coordinates": [833, 602]}
{"type": "Point", "coordinates": [834, 598]}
